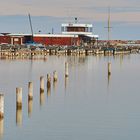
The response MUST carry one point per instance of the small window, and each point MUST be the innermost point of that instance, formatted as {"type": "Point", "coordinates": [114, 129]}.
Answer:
{"type": "Point", "coordinates": [16, 39]}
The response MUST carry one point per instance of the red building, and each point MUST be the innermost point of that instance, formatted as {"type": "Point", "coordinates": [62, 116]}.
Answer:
{"type": "Point", "coordinates": [56, 39]}
{"type": "Point", "coordinates": [72, 34]}
{"type": "Point", "coordinates": [5, 39]}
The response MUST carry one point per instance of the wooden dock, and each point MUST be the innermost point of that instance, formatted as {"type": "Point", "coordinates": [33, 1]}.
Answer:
{"type": "Point", "coordinates": [33, 54]}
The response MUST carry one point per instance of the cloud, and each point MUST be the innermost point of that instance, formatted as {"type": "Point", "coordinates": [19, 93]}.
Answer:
{"type": "Point", "coordinates": [121, 10]}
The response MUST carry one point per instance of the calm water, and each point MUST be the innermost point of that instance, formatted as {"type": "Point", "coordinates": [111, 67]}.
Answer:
{"type": "Point", "coordinates": [88, 105]}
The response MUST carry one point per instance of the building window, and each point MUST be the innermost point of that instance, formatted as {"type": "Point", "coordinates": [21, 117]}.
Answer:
{"type": "Point", "coordinates": [16, 39]}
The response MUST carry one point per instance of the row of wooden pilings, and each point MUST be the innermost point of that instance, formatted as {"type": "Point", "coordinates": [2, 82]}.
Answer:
{"type": "Point", "coordinates": [30, 94]}
{"type": "Point", "coordinates": [30, 89]}
{"type": "Point", "coordinates": [19, 103]}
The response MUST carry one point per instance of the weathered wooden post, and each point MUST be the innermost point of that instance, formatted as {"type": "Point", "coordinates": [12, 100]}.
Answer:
{"type": "Point", "coordinates": [66, 69]}
{"type": "Point", "coordinates": [19, 106]}
{"type": "Point", "coordinates": [41, 84]}
{"type": "Point", "coordinates": [19, 98]}
{"type": "Point", "coordinates": [48, 81]}
{"type": "Point", "coordinates": [30, 91]}
{"type": "Point", "coordinates": [1, 106]}
{"type": "Point", "coordinates": [109, 68]}
{"type": "Point", "coordinates": [55, 76]}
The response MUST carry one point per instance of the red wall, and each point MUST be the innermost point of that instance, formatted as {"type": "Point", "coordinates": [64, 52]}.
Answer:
{"type": "Point", "coordinates": [43, 40]}
{"type": "Point", "coordinates": [5, 39]}
{"type": "Point", "coordinates": [56, 40]}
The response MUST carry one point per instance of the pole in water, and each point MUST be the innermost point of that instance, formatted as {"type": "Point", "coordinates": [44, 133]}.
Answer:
{"type": "Point", "coordinates": [19, 98]}
{"type": "Point", "coordinates": [41, 84]}
{"type": "Point", "coordinates": [1, 106]}
{"type": "Point", "coordinates": [55, 76]}
{"type": "Point", "coordinates": [109, 68]}
{"type": "Point", "coordinates": [66, 69]}
{"type": "Point", "coordinates": [48, 81]}
{"type": "Point", "coordinates": [30, 91]}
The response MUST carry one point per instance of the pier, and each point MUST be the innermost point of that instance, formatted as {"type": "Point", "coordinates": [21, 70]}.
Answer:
{"type": "Point", "coordinates": [27, 53]}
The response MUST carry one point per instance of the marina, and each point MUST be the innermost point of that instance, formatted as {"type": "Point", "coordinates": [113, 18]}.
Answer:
{"type": "Point", "coordinates": [74, 84]}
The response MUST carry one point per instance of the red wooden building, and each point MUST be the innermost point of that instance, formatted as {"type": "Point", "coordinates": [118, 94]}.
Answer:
{"type": "Point", "coordinates": [56, 39]}
{"type": "Point", "coordinates": [72, 34]}
{"type": "Point", "coordinates": [5, 39]}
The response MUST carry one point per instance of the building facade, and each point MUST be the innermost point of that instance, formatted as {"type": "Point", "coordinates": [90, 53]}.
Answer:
{"type": "Point", "coordinates": [71, 34]}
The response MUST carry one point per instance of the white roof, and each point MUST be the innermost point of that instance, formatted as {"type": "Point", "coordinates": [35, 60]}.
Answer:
{"type": "Point", "coordinates": [45, 35]}
{"type": "Point", "coordinates": [76, 25]}
{"type": "Point", "coordinates": [95, 36]}
{"type": "Point", "coordinates": [54, 35]}
{"type": "Point", "coordinates": [19, 34]}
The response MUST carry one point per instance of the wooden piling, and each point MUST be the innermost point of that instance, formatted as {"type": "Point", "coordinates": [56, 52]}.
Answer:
{"type": "Point", "coordinates": [48, 81]}
{"type": "Point", "coordinates": [66, 69]}
{"type": "Point", "coordinates": [41, 84]}
{"type": "Point", "coordinates": [1, 106]}
{"type": "Point", "coordinates": [55, 76]}
{"type": "Point", "coordinates": [30, 91]}
{"type": "Point", "coordinates": [109, 68]}
{"type": "Point", "coordinates": [19, 98]}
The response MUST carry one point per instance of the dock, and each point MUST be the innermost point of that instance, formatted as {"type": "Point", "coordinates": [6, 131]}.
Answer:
{"type": "Point", "coordinates": [27, 53]}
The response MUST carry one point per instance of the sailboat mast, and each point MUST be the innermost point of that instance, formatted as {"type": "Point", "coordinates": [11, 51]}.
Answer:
{"type": "Point", "coordinates": [109, 25]}
{"type": "Point", "coordinates": [31, 27]}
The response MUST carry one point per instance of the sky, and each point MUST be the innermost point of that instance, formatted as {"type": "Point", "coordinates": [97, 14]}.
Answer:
{"type": "Point", "coordinates": [48, 14]}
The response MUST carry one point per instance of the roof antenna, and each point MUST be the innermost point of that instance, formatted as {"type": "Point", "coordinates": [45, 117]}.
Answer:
{"type": "Point", "coordinates": [76, 20]}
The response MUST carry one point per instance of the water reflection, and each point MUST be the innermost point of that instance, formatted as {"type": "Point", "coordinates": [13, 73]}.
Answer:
{"type": "Point", "coordinates": [81, 59]}
{"type": "Point", "coordinates": [99, 107]}
{"type": "Point", "coordinates": [74, 60]}
{"type": "Point", "coordinates": [54, 86]}
{"type": "Point", "coordinates": [121, 60]}
{"type": "Point", "coordinates": [66, 83]}
{"type": "Point", "coordinates": [48, 92]}
{"type": "Point", "coordinates": [1, 127]}
{"type": "Point", "coordinates": [109, 77]}
{"type": "Point", "coordinates": [19, 116]}
{"type": "Point", "coordinates": [30, 107]}
{"type": "Point", "coordinates": [42, 98]}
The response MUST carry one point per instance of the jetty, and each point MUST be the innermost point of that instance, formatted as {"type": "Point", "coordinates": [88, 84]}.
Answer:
{"type": "Point", "coordinates": [15, 52]}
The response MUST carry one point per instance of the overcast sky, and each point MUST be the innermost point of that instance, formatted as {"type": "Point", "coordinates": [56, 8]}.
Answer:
{"type": "Point", "coordinates": [121, 10]}
{"type": "Point", "coordinates": [95, 11]}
